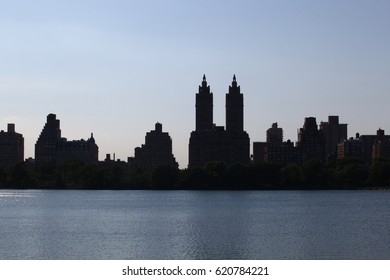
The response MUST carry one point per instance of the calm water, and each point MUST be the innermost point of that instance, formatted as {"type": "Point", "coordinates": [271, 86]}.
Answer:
{"type": "Point", "coordinates": [42, 224]}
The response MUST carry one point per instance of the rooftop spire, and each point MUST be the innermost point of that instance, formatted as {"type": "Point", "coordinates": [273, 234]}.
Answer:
{"type": "Point", "coordinates": [234, 83]}
{"type": "Point", "coordinates": [204, 82]}
{"type": "Point", "coordinates": [234, 88]}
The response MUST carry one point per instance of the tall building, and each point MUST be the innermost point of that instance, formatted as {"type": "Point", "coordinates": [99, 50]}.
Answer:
{"type": "Point", "coordinates": [275, 134]}
{"type": "Point", "coordinates": [334, 133]}
{"type": "Point", "coordinates": [213, 143]}
{"type": "Point", "coordinates": [11, 147]}
{"type": "Point", "coordinates": [311, 141]}
{"type": "Point", "coordinates": [156, 151]}
{"type": "Point", "coordinates": [51, 150]}
{"type": "Point", "coordinates": [204, 107]}
{"type": "Point", "coordinates": [47, 144]}
{"type": "Point", "coordinates": [234, 108]}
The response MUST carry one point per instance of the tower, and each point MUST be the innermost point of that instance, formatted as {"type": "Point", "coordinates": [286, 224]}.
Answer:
{"type": "Point", "coordinates": [234, 108]}
{"type": "Point", "coordinates": [204, 107]}
{"type": "Point", "coordinates": [47, 143]}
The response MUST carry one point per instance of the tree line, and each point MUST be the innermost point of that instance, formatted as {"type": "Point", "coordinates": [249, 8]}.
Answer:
{"type": "Point", "coordinates": [348, 173]}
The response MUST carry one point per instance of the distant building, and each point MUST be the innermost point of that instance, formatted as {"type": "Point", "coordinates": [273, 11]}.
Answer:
{"type": "Point", "coordinates": [11, 147]}
{"type": "Point", "coordinates": [311, 142]}
{"type": "Point", "coordinates": [353, 147]}
{"type": "Point", "coordinates": [47, 143]}
{"type": "Point", "coordinates": [366, 147]}
{"type": "Point", "coordinates": [381, 146]}
{"type": "Point", "coordinates": [275, 134]}
{"type": "Point", "coordinates": [334, 133]}
{"type": "Point", "coordinates": [259, 152]}
{"type": "Point", "coordinates": [82, 150]}
{"type": "Point", "coordinates": [52, 151]}
{"type": "Point", "coordinates": [274, 150]}
{"type": "Point", "coordinates": [156, 151]}
{"type": "Point", "coordinates": [283, 153]}
{"type": "Point", "coordinates": [213, 143]}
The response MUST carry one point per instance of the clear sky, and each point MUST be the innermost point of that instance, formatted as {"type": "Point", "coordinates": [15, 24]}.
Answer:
{"type": "Point", "coordinates": [117, 67]}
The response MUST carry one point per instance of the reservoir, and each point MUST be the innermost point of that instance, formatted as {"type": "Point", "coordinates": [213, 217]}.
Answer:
{"type": "Point", "coordinates": [117, 225]}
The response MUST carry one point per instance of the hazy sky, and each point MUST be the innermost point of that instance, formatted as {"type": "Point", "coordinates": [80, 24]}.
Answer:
{"type": "Point", "coordinates": [115, 68]}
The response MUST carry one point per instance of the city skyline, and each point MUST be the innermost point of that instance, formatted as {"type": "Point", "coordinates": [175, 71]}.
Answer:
{"type": "Point", "coordinates": [117, 68]}
{"type": "Point", "coordinates": [215, 143]}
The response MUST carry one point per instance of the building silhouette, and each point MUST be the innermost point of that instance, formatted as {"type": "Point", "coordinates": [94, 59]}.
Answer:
{"type": "Point", "coordinates": [334, 133]}
{"type": "Point", "coordinates": [51, 150]}
{"type": "Point", "coordinates": [11, 147]}
{"type": "Point", "coordinates": [213, 143]}
{"type": "Point", "coordinates": [275, 134]}
{"type": "Point", "coordinates": [274, 150]}
{"type": "Point", "coordinates": [353, 147]}
{"type": "Point", "coordinates": [156, 151]}
{"type": "Point", "coordinates": [381, 147]}
{"type": "Point", "coordinates": [311, 142]}
{"type": "Point", "coordinates": [46, 145]}
{"type": "Point", "coordinates": [85, 151]}
{"type": "Point", "coordinates": [365, 147]}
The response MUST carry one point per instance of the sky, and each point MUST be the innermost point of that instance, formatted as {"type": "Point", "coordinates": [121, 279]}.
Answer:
{"type": "Point", "coordinates": [117, 67]}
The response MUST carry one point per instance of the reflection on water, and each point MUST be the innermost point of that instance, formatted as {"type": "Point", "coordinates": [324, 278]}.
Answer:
{"type": "Point", "coordinates": [43, 224]}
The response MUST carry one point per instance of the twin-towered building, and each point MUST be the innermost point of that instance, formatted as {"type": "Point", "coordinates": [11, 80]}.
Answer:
{"type": "Point", "coordinates": [215, 143]}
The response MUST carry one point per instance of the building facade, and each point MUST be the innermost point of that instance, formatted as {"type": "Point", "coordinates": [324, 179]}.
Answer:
{"type": "Point", "coordinates": [156, 151]}
{"type": "Point", "coordinates": [85, 151]}
{"type": "Point", "coordinates": [274, 150]}
{"type": "Point", "coordinates": [51, 150]}
{"type": "Point", "coordinates": [311, 142]}
{"type": "Point", "coordinates": [381, 146]}
{"type": "Point", "coordinates": [334, 133]}
{"type": "Point", "coordinates": [353, 147]}
{"type": "Point", "coordinates": [275, 134]}
{"type": "Point", "coordinates": [11, 147]}
{"type": "Point", "coordinates": [366, 147]}
{"type": "Point", "coordinates": [215, 143]}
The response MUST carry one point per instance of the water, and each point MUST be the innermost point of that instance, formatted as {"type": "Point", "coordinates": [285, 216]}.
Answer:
{"type": "Point", "coordinates": [44, 224]}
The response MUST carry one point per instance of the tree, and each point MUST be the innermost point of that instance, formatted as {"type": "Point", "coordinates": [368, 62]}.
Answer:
{"type": "Point", "coordinates": [379, 173]}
